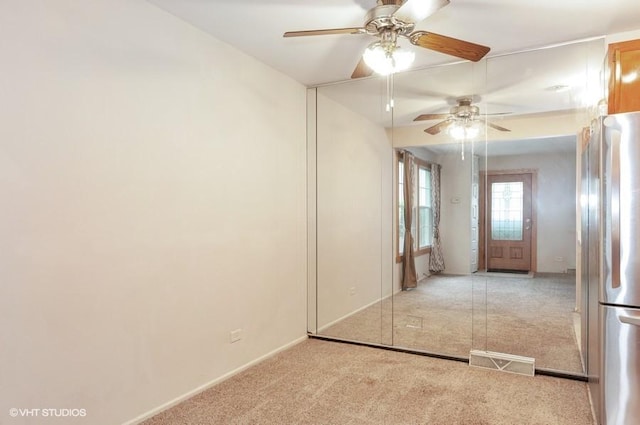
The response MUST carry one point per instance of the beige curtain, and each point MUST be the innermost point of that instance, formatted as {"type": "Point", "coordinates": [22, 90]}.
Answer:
{"type": "Point", "coordinates": [436, 259]}
{"type": "Point", "coordinates": [409, 277]}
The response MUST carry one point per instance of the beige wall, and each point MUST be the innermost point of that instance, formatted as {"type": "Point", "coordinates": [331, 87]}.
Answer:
{"type": "Point", "coordinates": [153, 200]}
{"type": "Point", "coordinates": [455, 211]}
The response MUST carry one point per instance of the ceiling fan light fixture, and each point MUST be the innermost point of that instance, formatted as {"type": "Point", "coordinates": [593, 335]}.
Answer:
{"type": "Point", "coordinates": [387, 59]}
{"type": "Point", "coordinates": [464, 131]}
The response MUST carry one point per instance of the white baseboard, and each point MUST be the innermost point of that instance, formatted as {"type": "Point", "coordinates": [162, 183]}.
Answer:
{"type": "Point", "coordinates": [379, 300]}
{"type": "Point", "coordinates": [395, 292]}
{"type": "Point", "coordinates": [210, 384]}
{"type": "Point", "coordinates": [339, 319]}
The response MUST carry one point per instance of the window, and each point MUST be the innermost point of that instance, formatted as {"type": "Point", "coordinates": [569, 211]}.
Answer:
{"type": "Point", "coordinates": [425, 218]}
{"type": "Point", "coordinates": [422, 227]}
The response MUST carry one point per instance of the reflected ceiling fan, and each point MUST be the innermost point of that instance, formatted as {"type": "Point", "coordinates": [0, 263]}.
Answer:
{"type": "Point", "coordinates": [390, 20]}
{"type": "Point", "coordinates": [462, 121]}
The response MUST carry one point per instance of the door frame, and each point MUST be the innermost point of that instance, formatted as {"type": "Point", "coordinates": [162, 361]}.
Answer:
{"type": "Point", "coordinates": [482, 228]}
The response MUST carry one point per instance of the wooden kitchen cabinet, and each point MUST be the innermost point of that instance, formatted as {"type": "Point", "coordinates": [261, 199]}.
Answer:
{"type": "Point", "coordinates": [624, 78]}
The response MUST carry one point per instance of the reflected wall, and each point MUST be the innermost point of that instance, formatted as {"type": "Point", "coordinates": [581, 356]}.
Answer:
{"type": "Point", "coordinates": [353, 193]}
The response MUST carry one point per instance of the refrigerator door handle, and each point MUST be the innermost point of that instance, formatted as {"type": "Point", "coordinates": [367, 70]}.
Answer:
{"type": "Point", "coordinates": [615, 210]}
{"type": "Point", "coordinates": [614, 135]}
{"type": "Point", "coordinates": [630, 320]}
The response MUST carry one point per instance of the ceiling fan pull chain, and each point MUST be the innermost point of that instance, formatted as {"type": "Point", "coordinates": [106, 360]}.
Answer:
{"type": "Point", "coordinates": [390, 104]}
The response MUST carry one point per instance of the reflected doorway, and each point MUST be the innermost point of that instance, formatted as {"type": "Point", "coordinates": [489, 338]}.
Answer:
{"type": "Point", "coordinates": [507, 233]}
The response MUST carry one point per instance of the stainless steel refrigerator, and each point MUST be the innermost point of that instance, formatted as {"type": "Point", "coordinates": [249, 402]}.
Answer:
{"type": "Point", "coordinates": [612, 239]}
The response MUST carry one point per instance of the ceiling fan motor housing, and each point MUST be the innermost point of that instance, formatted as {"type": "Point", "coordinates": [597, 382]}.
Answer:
{"type": "Point", "coordinates": [380, 19]}
{"type": "Point", "coordinates": [464, 109]}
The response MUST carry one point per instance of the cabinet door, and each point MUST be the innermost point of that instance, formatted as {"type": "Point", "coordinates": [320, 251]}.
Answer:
{"type": "Point", "coordinates": [624, 80]}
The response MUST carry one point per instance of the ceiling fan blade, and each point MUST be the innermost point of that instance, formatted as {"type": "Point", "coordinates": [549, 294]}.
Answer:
{"type": "Point", "coordinates": [325, 32]}
{"type": "Point", "coordinates": [427, 117]}
{"type": "Point", "coordinates": [497, 113]}
{"type": "Point", "coordinates": [433, 130]}
{"type": "Point", "coordinates": [448, 45]}
{"type": "Point", "coordinates": [362, 70]}
{"type": "Point", "coordinates": [497, 127]}
{"type": "Point", "coordinates": [417, 10]}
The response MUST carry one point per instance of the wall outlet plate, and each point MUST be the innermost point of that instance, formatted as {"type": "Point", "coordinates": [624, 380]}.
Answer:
{"type": "Point", "coordinates": [235, 335]}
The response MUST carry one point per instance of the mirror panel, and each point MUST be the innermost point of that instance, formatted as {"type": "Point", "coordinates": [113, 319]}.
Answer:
{"type": "Point", "coordinates": [438, 316]}
{"type": "Point", "coordinates": [353, 192]}
{"type": "Point", "coordinates": [544, 97]}
{"type": "Point", "coordinates": [538, 314]}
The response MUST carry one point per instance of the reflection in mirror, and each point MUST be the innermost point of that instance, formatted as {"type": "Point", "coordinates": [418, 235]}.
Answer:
{"type": "Point", "coordinates": [436, 314]}
{"type": "Point", "coordinates": [353, 171]}
{"type": "Point", "coordinates": [526, 290]}
{"type": "Point", "coordinates": [537, 311]}
{"type": "Point", "coordinates": [529, 236]}
{"type": "Point", "coordinates": [513, 183]}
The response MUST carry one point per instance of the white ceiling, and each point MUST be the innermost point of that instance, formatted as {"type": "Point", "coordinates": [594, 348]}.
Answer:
{"type": "Point", "coordinates": [256, 27]}
{"type": "Point", "coordinates": [516, 78]}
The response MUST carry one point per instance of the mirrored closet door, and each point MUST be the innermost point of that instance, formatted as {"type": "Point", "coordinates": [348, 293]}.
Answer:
{"type": "Point", "coordinates": [480, 161]}
{"type": "Point", "coordinates": [353, 233]}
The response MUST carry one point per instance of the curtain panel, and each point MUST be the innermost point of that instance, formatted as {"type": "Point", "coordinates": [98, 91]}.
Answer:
{"type": "Point", "coordinates": [436, 259]}
{"type": "Point", "coordinates": [409, 276]}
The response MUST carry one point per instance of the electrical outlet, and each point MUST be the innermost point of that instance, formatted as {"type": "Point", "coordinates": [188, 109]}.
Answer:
{"type": "Point", "coordinates": [236, 335]}
{"type": "Point", "coordinates": [352, 290]}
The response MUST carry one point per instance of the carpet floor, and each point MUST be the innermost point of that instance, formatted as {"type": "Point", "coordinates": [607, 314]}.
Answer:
{"type": "Point", "coordinates": [323, 382]}
{"type": "Point", "coordinates": [531, 317]}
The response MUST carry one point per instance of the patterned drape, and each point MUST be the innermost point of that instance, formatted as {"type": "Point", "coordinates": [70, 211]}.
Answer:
{"type": "Point", "coordinates": [409, 276]}
{"type": "Point", "coordinates": [436, 260]}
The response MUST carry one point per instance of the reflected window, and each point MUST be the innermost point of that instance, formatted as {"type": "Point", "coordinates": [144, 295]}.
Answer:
{"type": "Point", "coordinates": [507, 201]}
{"type": "Point", "coordinates": [425, 217]}
{"type": "Point", "coordinates": [422, 224]}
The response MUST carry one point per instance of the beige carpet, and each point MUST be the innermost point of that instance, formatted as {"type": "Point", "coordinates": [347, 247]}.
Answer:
{"type": "Point", "coordinates": [530, 317]}
{"type": "Point", "coordinates": [321, 382]}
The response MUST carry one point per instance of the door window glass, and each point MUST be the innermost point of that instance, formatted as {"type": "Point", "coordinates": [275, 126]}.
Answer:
{"type": "Point", "coordinates": [507, 211]}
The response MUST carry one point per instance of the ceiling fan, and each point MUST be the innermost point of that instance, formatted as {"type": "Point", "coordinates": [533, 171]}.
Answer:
{"type": "Point", "coordinates": [461, 117]}
{"type": "Point", "coordinates": [393, 19]}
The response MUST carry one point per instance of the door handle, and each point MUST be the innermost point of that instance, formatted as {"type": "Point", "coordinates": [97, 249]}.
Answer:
{"type": "Point", "coordinates": [630, 320]}
{"type": "Point", "coordinates": [614, 138]}
{"type": "Point", "coordinates": [527, 224]}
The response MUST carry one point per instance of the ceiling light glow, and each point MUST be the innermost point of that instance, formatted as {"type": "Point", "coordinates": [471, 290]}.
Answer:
{"type": "Point", "coordinates": [387, 59]}
{"type": "Point", "coordinates": [463, 131]}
